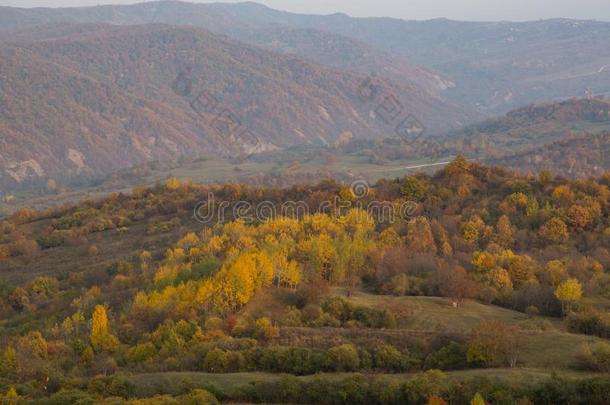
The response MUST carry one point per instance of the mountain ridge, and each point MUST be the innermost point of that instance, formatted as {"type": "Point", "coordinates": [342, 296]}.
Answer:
{"type": "Point", "coordinates": [279, 100]}
{"type": "Point", "coordinates": [495, 66]}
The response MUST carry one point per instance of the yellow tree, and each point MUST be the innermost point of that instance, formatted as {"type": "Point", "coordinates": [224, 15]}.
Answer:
{"type": "Point", "coordinates": [442, 239]}
{"type": "Point", "coordinates": [173, 183]}
{"type": "Point", "coordinates": [264, 270]}
{"type": "Point", "coordinates": [521, 268]}
{"type": "Point", "coordinates": [483, 261]}
{"type": "Point", "coordinates": [563, 195]}
{"type": "Point", "coordinates": [239, 284]}
{"type": "Point", "coordinates": [500, 279]}
{"type": "Point", "coordinates": [11, 397]}
{"type": "Point", "coordinates": [292, 276]}
{"type": "Point", "coordinates": [568, 292]}
{"type": "Point", "coordinates": [321, 254]}
{"type": "Point", "coordinates": [101, 338]}
{"type": "Point", "coordinates": [9, 361]}
{"type": "Point", "coordinates": [579, 217]}
{"type": "Point", "coordinates": [358, 221]}
{"type": "Point", "coordinates": [280, 266]}
{"type": "Point", "coordinates": [477, 400]}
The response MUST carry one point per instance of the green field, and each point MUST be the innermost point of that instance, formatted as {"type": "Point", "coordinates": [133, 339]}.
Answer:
{"type": "Point", "coordinates": [546, 344]}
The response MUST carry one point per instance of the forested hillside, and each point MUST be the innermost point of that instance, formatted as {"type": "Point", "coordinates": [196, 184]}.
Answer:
{"type": "Point", "coordinates": [569, 138]}
{"type": "Point", "coordinates": [89, 100]}
{"type": "Point", "coordinates": [492, 66]}
{"type": "Point", "coordinates": [472, 271]}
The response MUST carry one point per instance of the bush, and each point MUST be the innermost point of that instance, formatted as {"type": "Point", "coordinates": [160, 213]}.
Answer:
{"type": "Point", "coordinates": [216, 361]}
{"type": "Point", "coordinates": [70, 396]}
{"type": "Point", "coordinates": [387, 357]}
{"type": "Point", "coordinates": [199, 397]}
{"type": "Point", "coordinates": [532, 311]}
{"type": "Point", "coordinates": [347, 314]}
{"type": "Point", "coordinates": [54, 239]}
{"type": "Point", "coordinates": [450, 357]}
{"type": "Point", "coordinates": [595, 358]}
{"type": "Point", "coordinates": [343, 358]}
{"type": "Point", "coordinates": [24, 247]}
{"type": "Point", "coordinates": [397, 285]}
{"type": "Point", "coordinates": [589, 323]}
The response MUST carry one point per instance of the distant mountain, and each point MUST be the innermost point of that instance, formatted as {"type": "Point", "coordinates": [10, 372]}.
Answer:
{"type": "Point", "coordinates": [495, 66]}
{"type": "Point", "coordinates": [58, 123]}
{"type": "Point", "coordinates": [491, 66]}
{"type": "Point", "coordinates": [89, 99]}
{"type": "Point", "coordinates": [347, 54]}
{"type": "Point", "coordinates": [317, 46]}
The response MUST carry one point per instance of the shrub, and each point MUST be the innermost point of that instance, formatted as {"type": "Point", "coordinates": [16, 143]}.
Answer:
{"type": "Point", "coordinates": [216, 361]}
{"type": "Point", "coordinates": [532, 311]}
{"type": "Point", "coordinates": [199, 397]}
{"type": "Point", "coordinates": [70, 396]}
{"type": "Point", "coordinates": [595, 358]}
{"type": "Point", "coordinates": [24, 247]}
{"type": "Point", "coordinates": [343, 358]}
{"type": "Point", "coordinates": [450, 357]}
{"type": "Point", "coordinates": [589, 323]}
{"type": "Point", "coordinates": [387, 357]}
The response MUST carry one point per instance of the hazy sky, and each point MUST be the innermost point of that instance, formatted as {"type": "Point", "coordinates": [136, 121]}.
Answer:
{"type": "Point", "coordinates": [408, 9]}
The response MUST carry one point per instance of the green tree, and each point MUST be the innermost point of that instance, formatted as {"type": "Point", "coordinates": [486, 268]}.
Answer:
{"type": "Point", "coordinates": [387, 357]}
{"type": "Point", "coordinates": [216, 361]}
{"type": "Point", "coordinates": [413, 188]}
{"type": "Point", "coordinates": [343, 358]}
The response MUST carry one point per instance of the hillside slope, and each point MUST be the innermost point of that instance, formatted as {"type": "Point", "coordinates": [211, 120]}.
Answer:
{"type": "Point", "coordinates": [157, 91]}
{"type": "Point", "coordinates": [577, 156]}
{"type": "Point", "coordinates": [495, 66]}
{"type": "Point", "coordinates": [317, 46]}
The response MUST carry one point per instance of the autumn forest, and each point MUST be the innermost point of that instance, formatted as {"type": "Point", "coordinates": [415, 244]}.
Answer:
{"type": "Point", "coordinates": [314, 302]}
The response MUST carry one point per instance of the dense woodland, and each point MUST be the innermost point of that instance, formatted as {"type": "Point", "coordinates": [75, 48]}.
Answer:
{"type": "Point", "coordinates": [95, 296]}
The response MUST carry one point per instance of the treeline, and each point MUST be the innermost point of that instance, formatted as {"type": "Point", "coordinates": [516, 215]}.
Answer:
{"type": "Point", "coordinates": [432, 387]}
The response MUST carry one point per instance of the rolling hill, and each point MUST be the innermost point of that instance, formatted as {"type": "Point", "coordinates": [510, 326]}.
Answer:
{"type": "Point", "coordinates": [95, 98]}
{"type": "Point", "coordinates": [569, 138]}
{"type": "Point", "coordinates": [538, 124]}
{"type": "Point", "coordinates": [578, 156]}
{"type": "Point", "coordinates": [128, 297]}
